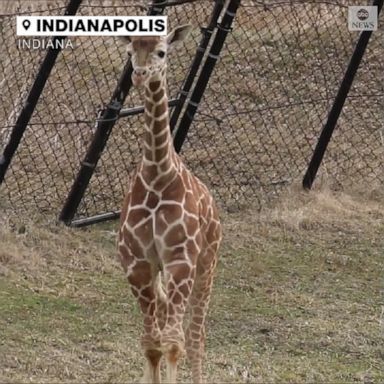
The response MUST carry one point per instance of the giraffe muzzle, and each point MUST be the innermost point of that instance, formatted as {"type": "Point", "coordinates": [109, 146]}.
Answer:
{"type": "Point", "coordinates": [139, 76]}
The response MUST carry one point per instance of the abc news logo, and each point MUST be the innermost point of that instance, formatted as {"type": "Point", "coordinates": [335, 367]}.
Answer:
{"type": "Point", "coordinates": [362, 18]}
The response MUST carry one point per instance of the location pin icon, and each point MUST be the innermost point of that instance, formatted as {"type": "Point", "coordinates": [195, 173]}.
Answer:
{"type": "Point", "coordinates": [26, 24]}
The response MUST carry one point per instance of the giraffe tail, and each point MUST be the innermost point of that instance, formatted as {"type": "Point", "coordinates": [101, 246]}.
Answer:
{"type": "Point", "coordinates": [161, 301]}
{"type": "Point", "coordinates": [161, 296]}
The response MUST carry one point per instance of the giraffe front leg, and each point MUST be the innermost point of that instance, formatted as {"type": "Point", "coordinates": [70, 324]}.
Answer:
{"type": "Point", "coordinates": [141, 279]}
{"type": "Point", "coordinates": [198, 305]}
{"type": "Point", "coordinates": [152, 372]}
{"type": "Point", "coordinates": [179, 275]}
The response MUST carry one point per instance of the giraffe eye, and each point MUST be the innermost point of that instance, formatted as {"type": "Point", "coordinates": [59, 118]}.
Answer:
{"type": "Point", "coordinates": [161, 54]}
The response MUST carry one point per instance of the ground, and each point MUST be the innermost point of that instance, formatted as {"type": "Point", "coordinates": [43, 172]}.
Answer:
{"type": "Point", "coordinates": [296, 298]}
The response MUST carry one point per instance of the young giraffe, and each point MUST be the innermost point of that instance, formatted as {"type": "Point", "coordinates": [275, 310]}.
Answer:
{"type": "Point", "coordinates": [169, 227]}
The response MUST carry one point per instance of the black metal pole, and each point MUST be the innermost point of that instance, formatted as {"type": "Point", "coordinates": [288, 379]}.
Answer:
{"type": "Point", "coordinates": [103, 130]}
{"type": "Point", "coordinates": [224, 27]}
{"type": "Point", "coordinates": [95, 219]}
{"type": "Point", "coordinates": [33, 96]}
{"type": "Point", "coordinates": [137, 110]}
{"type": "Point", "coordinates": [338, 104]}
{"type": "Point", "coordinates": [204, 42]}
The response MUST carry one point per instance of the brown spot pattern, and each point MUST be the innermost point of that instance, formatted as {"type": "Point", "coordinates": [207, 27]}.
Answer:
{"type": "Point", "coordinates": [160, 126]}
{"type": "Point", "coordinates": [144, 232]}
{"type": "Point", "coordinates": [138, 192]}
{"type": "Point", "coordinates": [175, 191]}
{"type": "Point", "coordinates": [152, 200]}
{"type": "Point", "coordinates": [161, 139]}
{"type": "Point", "coordinates": [132, 243]}
{"type": "Point", "coordinates": [158, 96]}
{"type": "Point", "coordinates": [141, 275]}
{"type": "Point", "coordinates": [126, 257]}
{"type": "Point", "coordinates": [169, 212]}
{"type": "Point", "coordinates": [161, 109]}
{"type": "Point", "coordinates": [161, 153]}
{"type": "Point", "coordinates": [137, 214]}
{"type": "Point", "coordinates": [154, 85]}
{"type": "Point", "coordinates": [149, 172]}
{"type": "Point", "coordinates": [175, 236]}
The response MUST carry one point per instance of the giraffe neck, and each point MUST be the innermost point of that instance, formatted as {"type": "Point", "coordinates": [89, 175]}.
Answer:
{"type": "Point", "coordinates": [158, 147]}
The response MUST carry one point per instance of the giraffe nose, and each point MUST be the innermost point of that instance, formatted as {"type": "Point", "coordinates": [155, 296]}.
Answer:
{"type": "Point", "coordinates": [140, 71]}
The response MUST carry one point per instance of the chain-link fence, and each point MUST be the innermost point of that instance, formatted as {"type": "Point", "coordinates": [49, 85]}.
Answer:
{"type": "Point", "coordinates": [255, 128]}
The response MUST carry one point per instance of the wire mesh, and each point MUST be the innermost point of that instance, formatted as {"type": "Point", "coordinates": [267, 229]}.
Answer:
{"type": "Point", "coordinates": [256, 126]}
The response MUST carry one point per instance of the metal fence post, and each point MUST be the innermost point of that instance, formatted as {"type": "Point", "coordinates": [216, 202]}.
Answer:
{"type": "Point", "coordinates": [33, 96]}
{"type": "Point", "coordinates": [200, 52]}
{"type": "Point", "coordinates": [338, 104]}
{"type": "Point", "coordinates": [223, 28]}
{"type": "Point", "coordinates": [103, 130]}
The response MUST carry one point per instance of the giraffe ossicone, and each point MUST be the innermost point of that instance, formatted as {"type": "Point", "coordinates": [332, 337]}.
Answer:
{"type": "Point", "coordinates": [169, 227]}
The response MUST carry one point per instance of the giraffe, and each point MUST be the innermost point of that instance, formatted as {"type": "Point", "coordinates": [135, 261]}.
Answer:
{"type": "Point", "coordinates": [170, 230]}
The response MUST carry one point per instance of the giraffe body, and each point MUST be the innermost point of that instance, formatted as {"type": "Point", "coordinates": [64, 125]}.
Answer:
{"type": "Point", "coordinates": [169, 228]}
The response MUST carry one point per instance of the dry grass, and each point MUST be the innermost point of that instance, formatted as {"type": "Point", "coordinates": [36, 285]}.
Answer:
{"type": "Point", "coordinates": [296, 298]}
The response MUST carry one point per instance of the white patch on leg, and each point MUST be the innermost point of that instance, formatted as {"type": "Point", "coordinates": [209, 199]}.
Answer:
{"type": "Point", "coordinates": [147, 377]}
{"type": "Point", "coordinates": [171, 372]}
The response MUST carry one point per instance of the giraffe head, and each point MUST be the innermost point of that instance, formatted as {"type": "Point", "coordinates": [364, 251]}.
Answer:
{"type": "Point", "coordinates": [149, 54]}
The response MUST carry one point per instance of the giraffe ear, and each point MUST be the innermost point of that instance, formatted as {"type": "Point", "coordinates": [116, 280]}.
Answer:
{"type": "Point", "coordinates": [177, 35]}
{"type": "Point", "coordinates": [125, 39]}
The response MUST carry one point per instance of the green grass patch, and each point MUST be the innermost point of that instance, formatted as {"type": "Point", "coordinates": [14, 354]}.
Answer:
{"type": "Point", "coordinates": [296, 299]}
